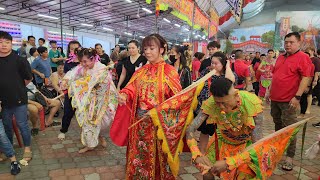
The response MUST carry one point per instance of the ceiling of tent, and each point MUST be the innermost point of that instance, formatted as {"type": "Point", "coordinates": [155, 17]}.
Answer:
{"type": "Point", "coordinates": [125, 17]}
{"type": "Point", "coordinates": [122, 16]}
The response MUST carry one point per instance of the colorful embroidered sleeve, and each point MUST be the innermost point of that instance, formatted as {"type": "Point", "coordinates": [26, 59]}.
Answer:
{"type": "Point", "coordinates": [129, 90]}
{"type": "Point", "coordinates": [252, 105]}
{"type": "Point", "coordinates": [208, 107]}
{"type": "Point", "coordinates": [172, 79]}
{"type": "Point", "coordinates": [237, 160]}
{"type": "Point", "coordinates": [195, 151]}
{"type": "Point", "coordinates": [192, 143]}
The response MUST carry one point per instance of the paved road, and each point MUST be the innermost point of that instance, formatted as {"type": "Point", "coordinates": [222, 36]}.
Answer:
{"type": "Point", "coordinates": [54, 159]}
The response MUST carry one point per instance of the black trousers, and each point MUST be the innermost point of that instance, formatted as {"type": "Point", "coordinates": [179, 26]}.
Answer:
{"type": "Point", "coordinates": [304, 103]}
{"type": "Point", "coordinates": [68, 114]}
{"type": "Point", "coordinates": [256, 87]}
{"type": "Point", "coordinates": [316, 92]}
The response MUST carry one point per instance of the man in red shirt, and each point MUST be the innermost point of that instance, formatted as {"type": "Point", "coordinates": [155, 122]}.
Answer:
{"type": "Point", "coordinates": [291, 76]}
{"type": "Point", "coordinates": [242, 71]}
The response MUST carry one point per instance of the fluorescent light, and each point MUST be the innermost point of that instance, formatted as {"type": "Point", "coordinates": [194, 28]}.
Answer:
{"type": "Point", "coordinates": [169, 43]}
{"type": "Point", "coordinates": [88, 25]}
{"type": "Point", "coordinates": [165, 19]}
{"type": "Point", "coordinates": [47, 16]}
{"type": "Point", "coordinates": [186, 29]}
{"type": "Point", "coordinates": [128, 33]}
{"type": "Point", "coordinates": [142, 37]}
{"type": "Point", "coordinates": [177, 44]}
{"type": "Point", "coordinates": [146, 10]}
{"type": "Point", "coordinates": [2, 8]}
{"type": "Point", "coordinates": [177, 25]}
{"type": "Point", "coordinates": [70, 34]}
{"type": "Point", "coordinates": [107, 29]}
{"type": "Point", "coordinates": [129, 1]}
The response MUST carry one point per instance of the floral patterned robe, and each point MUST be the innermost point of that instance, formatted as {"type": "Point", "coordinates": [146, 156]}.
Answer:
{"type": "Point", "coordinates": [95, 99]}
{"type": "Point", "coordinates": [150, 85]}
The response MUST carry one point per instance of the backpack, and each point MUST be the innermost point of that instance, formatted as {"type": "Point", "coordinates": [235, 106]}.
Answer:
{"type": "Point", "coordinates": [39, 98]}
{"type": "Point", "coordinates": [240, 80]}
{"type": "Point", "coordinates": [46, 92]}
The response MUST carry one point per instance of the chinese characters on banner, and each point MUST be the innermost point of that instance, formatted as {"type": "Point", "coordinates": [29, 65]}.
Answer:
{"type": "Point", "coordinates": [200, 20]}
{"type": "Point", "coordinates": [236, 9]}
{"type": "Point", "coordinates": [214, 23]}
{"type": "Point", "coordinates": [182, 9]}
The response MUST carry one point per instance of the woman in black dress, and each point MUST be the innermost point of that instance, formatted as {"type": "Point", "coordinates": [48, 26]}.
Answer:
{"type": "Point", "coordinates": [180, 63]}
{"type": "Point", "coordinates": [131, 64]}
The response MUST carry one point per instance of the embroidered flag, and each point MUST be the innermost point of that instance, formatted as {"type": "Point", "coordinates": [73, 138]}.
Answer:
{"type": "Point", "coordinates": [267, 152]}
{"type": "Point", "coordinates": [172, 118]}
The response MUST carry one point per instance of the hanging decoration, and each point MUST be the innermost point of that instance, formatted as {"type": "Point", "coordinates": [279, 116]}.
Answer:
{"type": "Point", "coordinates": [56, 36]}
{"type": "Point", "coordinates": [200, 20]}
{"type": "Point", "coordinates": [228, 15]}
{"type": "Point", "coordinates": [214, 22]}
{"type": "Point", "coordinates": [14, 30]}
{"type": "Point", "coordinates": [157, 8]}
{"type": "Point", "coordinates": [236, 9]}
{"type": "Point", "coordinates": [183, 9]}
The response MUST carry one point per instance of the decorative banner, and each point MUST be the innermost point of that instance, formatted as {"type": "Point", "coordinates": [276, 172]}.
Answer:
{"type": "Point", "coordinates": [200, 20]}
{"type": "Point", "coordinates": [14, 30]}
{"type": "Point", "coordinates": [172, 118]}
{"type": "Point", "coordinates": [214, 22]}
{"type": "Point", "coordinates": [56, 36]}
{"type": "Point", "coordinates": [236, 9]}
{"type": "Point", "coordinates": [267, 152]}
{"type": "Point", "coordinates": [182, 9]}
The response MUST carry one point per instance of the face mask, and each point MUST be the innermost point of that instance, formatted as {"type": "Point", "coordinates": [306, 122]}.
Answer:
{"type": "Point", "coordinates": [172, 58]}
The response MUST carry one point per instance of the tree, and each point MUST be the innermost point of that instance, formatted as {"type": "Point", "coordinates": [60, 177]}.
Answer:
{"type": "Point", "coordinates": [295, 28]}
{"type": "Point", "coordinates": [243, 39]}
{"type": "Point", "coordinates": [228, 47]}
{"type": "Point", "coordinates": [268, 37]}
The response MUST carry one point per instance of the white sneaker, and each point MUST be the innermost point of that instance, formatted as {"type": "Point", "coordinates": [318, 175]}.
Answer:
{"type": "Point", "coordinates": [61, 136]}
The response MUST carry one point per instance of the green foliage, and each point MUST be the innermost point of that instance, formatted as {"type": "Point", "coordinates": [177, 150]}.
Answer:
{"type": "Point", "coordinates": [268, 37]}
{"type": "Point", "coordinates": [243, 39]}
{"type": "Point", "coordinates": [228, 46]}
{"type": "Point", "coordinates": [296, 28]}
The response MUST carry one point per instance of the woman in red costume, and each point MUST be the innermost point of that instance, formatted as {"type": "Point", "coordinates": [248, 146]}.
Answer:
{"type": "Point", "coordinates": [149, 86]}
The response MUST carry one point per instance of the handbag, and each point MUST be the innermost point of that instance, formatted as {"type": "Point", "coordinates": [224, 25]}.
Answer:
{"type": "Point", "coordinates": [39, 98]}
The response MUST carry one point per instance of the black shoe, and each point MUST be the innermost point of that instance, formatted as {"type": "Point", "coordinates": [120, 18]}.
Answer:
{"type": "Point", "coordinates": [316, 125]}
{"type": "Point", "coordinates": [34, 131]}
{"type": "Point", "coordinates": [15, 168]}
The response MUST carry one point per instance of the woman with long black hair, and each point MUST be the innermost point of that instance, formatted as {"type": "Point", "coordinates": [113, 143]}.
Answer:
{"type": "Point", "coordinates": [71, 62]}
{"type": "Point", "coordinates": [131, 63]}
{"type": "Point", "coordinates": [178, 56]}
